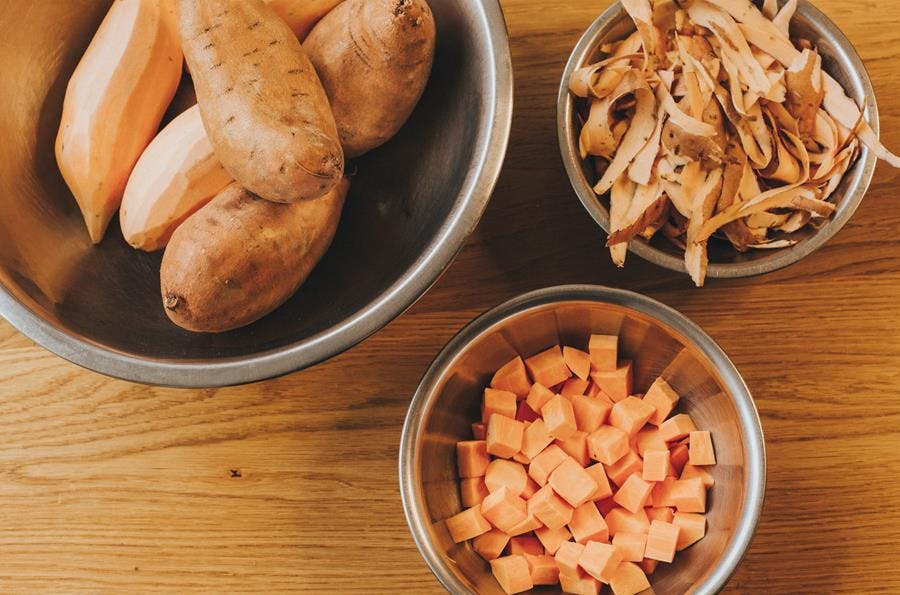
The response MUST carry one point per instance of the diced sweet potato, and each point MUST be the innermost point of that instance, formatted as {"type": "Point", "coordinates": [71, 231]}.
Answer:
{"type": "Point", "coordinates": [619, 471]}
{"type": "Point", "coordinates": [578, 361]}
{"type": "Point", "coordinates": [662, 492]}
{"type": "Point", "coordinates": [543, 568]}
{"type": "Point", "coordinates": [512, 377]}
{"type": "Point", "coordinates": [604, 352]}
{"type": "Point", "coordinates": [616, 384]}
{"type": "Point", "coordinates": [656, 466]}
{"type": "Point", "coordinates": [526, 545]}
{"type": "Point", "coordinates": [572, 482]}
{"type": "Point", "coordinates": [604, 490]}
{"type": "Point", "coordinates": [479, 431]}
{"type": "Point", "coordinates": [573, 387]}
{"type": "Point", "coordinates": [691, 471]}
{"type": "Point", "coordinates": [535, 439]}
{"type": "Point", "coordinates": [472, 490]}
{"type": "Point", "coordinates": [630, 414]}
{"type": "Point", "coordinates": [549, 508]}
{"type": "Point", "coordinates": [543, 465]}
{"type": "Point", "coordinates": [498, 401]}
{"type": "Point", "coordinates": [576, 447]}
{"type": "Point", "coordinates": [692, 528]}
{"type": "Point", "coordinates": [678, 456]}
{"type": "Point", "coordinates": [559, 417]}
{"type": "Point", "coordinates": [661, 541]}
{"type": "Point", "coordinates": [504, 436]}
{"type": "Point", "coordinates": [467, 524]}
{"type": "Point", "coordinates": [530, 523]}
{"type": "Point", "coordinates": [590, 413]}
{"type": "Point", "coordinates": [648, 438]}
{"type": "Point", "coordinates": [504, 510]}
{"type": "Point", "coordinates": [701, 449]}
{"type": "Point", "coordinates": [648, 566]}
{"type": "Point", "coordinates": [594, 391]}
{"type": "Point", "coordinates": [531, 488]}
{"type": "Point", "coordinates": [548, 367]}
{"type": "Point", "coordinates": [662, 398]}
{"type": "Point", "coordinates": [525, 413]}
{"type": "Point", "coordinates": [607, 444]}
{"type": "Point", "coordinates": [567, 557]}
{"type": "Point", "coordinates": [600, 560]}
{"type": "Point", "coordinates": [633, 494]}
{"type": "Point", "coordinates": [631, 545]}
{"type": "Point", "coordinates": [552, 538]}
{"type": "Point", "coordinates": [509, 474]}
{"type": "Point", "coordinates": [490, 545]}
{"type": "Point", "coordinates": [538, 396]}
{"type": "Point", "coordinates": [580, 584]}
{"type": "Point", "coordinates": [619, 519]}
{"type": "Point", "coordinates": [662, 513]}
{"type": "Point", "coordinates": [605, 505]}
{"type": "Point", "coordinates": [677, 427]}
{"type": "Point", "coordinates": [587, 524]}
{"type": "Point", "coordinates": [512, 573]}
{"type": "Point", "coordinates": [628, 579]}
{"type": "Point", "coordinates": [472, 458]}
{"type": "Point", "coordinates": [689, 495]}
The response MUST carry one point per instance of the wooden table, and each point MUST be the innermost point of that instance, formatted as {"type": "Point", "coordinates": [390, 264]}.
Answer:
{"type": "Point", "coordinates": [292, 484]}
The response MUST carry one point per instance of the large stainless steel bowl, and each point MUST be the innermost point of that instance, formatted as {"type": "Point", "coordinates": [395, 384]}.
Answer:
{"type": "Point", "coordinates": [413, 204]}
{"type": "Point", "coordinates": [662, 342]}
{"type": "Point", "coordinates": [839, 59]}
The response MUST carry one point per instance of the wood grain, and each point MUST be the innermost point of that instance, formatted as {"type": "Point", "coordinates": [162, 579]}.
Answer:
{"type": "Point", "coordinates": [290, 485]}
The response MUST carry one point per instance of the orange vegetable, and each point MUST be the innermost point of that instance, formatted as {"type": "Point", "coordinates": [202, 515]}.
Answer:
{"type": "Point", "coordinates": [548, 367]}
{"type": "Point", "coordinates": [512, 377]}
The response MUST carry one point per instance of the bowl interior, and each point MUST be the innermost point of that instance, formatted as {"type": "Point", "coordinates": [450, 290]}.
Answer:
{"type": "Point", "coordinates": [412, 204]}
{"type": "Point", "coordinates": [657, 350]}
{"type": "Point", "coordinates": [839, 59]}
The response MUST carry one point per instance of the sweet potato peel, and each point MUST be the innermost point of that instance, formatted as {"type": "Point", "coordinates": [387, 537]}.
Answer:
{"type": "Point", "coordinates": [709, 123]}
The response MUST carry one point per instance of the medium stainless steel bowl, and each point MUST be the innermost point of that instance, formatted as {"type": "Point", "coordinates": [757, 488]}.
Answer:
{"type": "Point", "coordinates": [839, 59]}
{"type": "Point", "coordinates": [413, 204]}
{"type": "Point", "coordinates": [662, 342]}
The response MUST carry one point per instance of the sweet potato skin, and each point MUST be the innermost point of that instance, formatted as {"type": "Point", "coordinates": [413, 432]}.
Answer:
{"type": "Point", "coordinates": [240, 257]}
{"type": "Point", "coordinates": [374, 58]}
{"type": "Point", "coordinates": [114, 104]}
{"type": "Point", "coordinates": [261, 101]}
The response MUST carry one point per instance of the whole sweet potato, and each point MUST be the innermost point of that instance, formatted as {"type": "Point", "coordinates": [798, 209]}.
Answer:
{"type": "Point", "coordinates": [240, 257]}
{"type": "Point", "coordinates": [262, 103]}
{"type": "Point", "coordinates": [374, 58]}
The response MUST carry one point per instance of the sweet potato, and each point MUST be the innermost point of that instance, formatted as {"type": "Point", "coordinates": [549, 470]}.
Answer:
{"type": "Point", "coordinates": [374, 58]}
{"type": "Point", "coordinates": [240, 257]}
{"type": "Point", "coordinates": [302, 15]}
{"type": "Point", "coordinates": [176, 175]}
{"type": "Point", "coordinates": [262, 104]}
{"type": "Point", "coordinates": [114, 104]}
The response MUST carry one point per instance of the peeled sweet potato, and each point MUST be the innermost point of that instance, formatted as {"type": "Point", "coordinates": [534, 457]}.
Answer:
{"type": "Point", "coordinates": [176, 175]}
{"type": "Point", "coordinates": [114, 104]}
{"type": "Point", "coordinates": [240, 257]}
{"type": "Point", "coordinates": [261, 101]}
{"type": "Point", "coordinates": [374, 58]}
{"type": "Point", "coordinates": [302, 15]}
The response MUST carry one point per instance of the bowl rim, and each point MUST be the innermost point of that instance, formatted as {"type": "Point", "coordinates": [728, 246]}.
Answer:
{"type": "Point", "coordinates": [420, 407]}
{"type": "Point", "coordinates": [859, 178]}
{"type": "Point", "coordinates": [391, 303]}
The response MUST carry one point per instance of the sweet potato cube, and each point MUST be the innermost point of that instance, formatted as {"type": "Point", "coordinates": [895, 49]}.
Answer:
{"type": "Point", "coordinates": [567, 557]}
{"type": "Point", "coordinates": [530, 523]}
{"type": "Point", "coordinates": [490, 545]}
{"type": "Point", "coordinates": [619, 471]}
{"type": "Point", "coordinates": [692, 528]}
{"type": "Point", "coordinates": [572, 482]}
{"type": "Point", "coordinates": [512, 573]}
{"type": "Point", "coordinates": [631, 545]}
{"type": "Point", "coordinates": [594, 392]}
{"type": "Point", "coordinates": [576, 447]}
{"type": "Point", "coordinates": [580, 584]}
{"type": "Point", "coordinates": [549, 508]}
{"type": "Point", "coordinates": [578, 361]}
{"type": "Point", "coordinates": [538, 396]}
{"type": "Point", "coordinates": [559, 417]}
{"type": "Point", "coordinates": [512, 377]}
{"type": "Point", "coordinates": [590, 413]}
{"type": "Point", "coordinates": [525, 413]}
{"type": "Point", "coordinates": [543, 465]}
{"type": "Point", "coordinates": [648, 439]}
{"type": "Point", "coordinates": [677, 427]}
{"type": "Point", "coordinates": [628, 579]}
{"type": "Point", "coordinates": [472, 458]}
{"type": "Point", "coordinates": [630, 414]}
{"type": "Point", "coordinates": [472, 490]}
{"type": "Point", "coordinates": [656, 466]}
{"type": "Point", "coordinates": [605, 505]}
{"type": "Point", "coordinates": [633, 494]}
{"type": "Point", "coordinates": [467, 524]}
{"type": "Point", "coordinates": [660, 513]}
{"type": "Point", "coordinates": [504, 436]}
{"type": "Point", "coordinates": [498, 401]}
{"type": "Point", "coordinates": [587, 524]}
{"type": "Point", "coordinates": [662, 492]}
{"type": "Point", "coordinates": [519, 457]}
{"type": "Point", "coordinates": [548, 367]}
{"type": "Point", "coordinates": [691, 471]}
{"type": "Point", "coordinates": [573, 387]}
{"type": "Point", "coordinates": [662, 398]}
{"type": "Point", "coordinates": [479, 431]}
{"type": "Point", "coordinates": [543, 568]}
{"type": "Point", "coordinates": [552, 538]}
{"type": "Point", "coordinates": [689, 495]}
{"type": "Point", "coordinates": [531, 488]}
{"type": "Point", "coordinates": [701, 449]}
{"type": "Point", "coordinates": [600, 560]}
{"type": "Point", "coordinates": [607, 444]}
{"type": "Point", "coordinates": [535, 439]}
{"type": "Point", "coordinates": [509, 474]}
{"type": "Point", "coordinates": [661, 541]}
{"type": "Point", "coordinates": [603, 488]}
{"type": "Point", "coordinates": [616, 384]}
{"type": "Point", "coordinates": [619, 519]}
{"type": "Point", "coordinates": [648, 566]}
{"type": "Point", "coordinates": [604, 352]}
{"type": "Point", "coordinates": [504, 510]}
{"type": "Point", "coordinates": [526, 545]}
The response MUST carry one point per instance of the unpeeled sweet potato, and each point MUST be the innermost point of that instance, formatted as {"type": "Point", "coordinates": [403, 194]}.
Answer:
{"type": "Point", "coordinates": [240, 257]}
{"type": "Point", "coordinates": [302, 15]}
{"type": "Point", "coordinates": [261, 101]}
{"type": "Point", "coordinates": [374, 58]}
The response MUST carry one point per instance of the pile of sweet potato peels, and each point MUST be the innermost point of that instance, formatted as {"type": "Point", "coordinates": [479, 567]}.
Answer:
{"type": "Point", "coordinates": [710, 121]}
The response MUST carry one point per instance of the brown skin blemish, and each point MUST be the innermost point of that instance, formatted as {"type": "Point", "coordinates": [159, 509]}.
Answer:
{"type": "Point", "coordinates": [172, 301]}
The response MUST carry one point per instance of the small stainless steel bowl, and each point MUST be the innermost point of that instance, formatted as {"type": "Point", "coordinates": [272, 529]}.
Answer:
{"type": "Point", "coordinates": [413, 204]}
{"type": "Point", "coordinates": [839, 59]}
{"type": "Point", "coordinates": [662, 342]}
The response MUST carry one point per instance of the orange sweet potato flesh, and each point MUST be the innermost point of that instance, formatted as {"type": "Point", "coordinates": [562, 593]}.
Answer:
{"type": "Point", "coordinates": [240, 257]}
{"type": "Point", "coordinates": [302, 15]}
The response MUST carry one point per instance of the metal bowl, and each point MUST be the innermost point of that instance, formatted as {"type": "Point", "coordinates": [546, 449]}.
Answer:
{"type": "Point", "coordinates": [414, 203]}
{"type": "Point", "coordinates": [663, 342]}
{"type": "Point", "coordinates": [839, 59]}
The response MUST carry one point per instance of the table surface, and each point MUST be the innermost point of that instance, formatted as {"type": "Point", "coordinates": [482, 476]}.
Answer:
{"type": "Point", "coordinates": [292, 484]}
